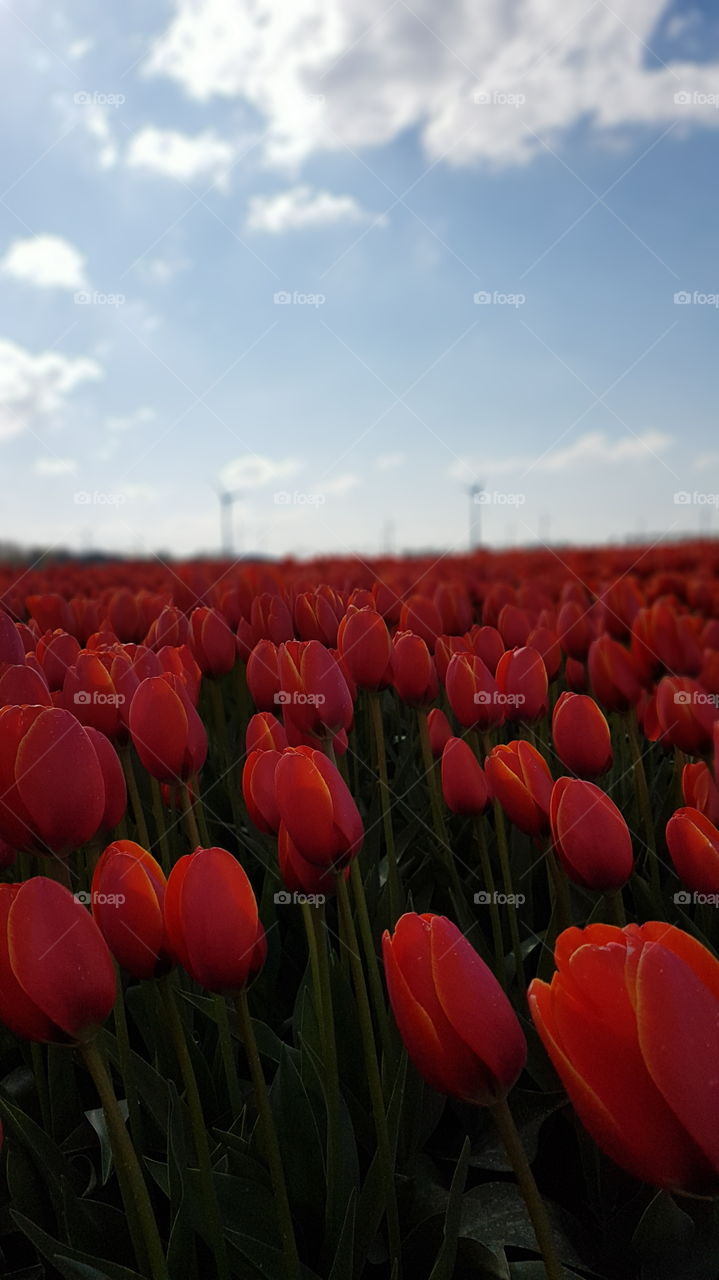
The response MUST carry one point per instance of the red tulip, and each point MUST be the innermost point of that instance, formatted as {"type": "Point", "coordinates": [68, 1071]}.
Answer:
{"type": "Point", "coordinates": [686, 713]}
{"type": "Point", "coordinates": [581, 735]}
{"type": "Point", "coordinates": [300, 875]}
{"type": "Point", "coordinates": [612, 673]}
{"type": "Point", "coordinates": [57, 980]}
{"type": "Point", "coordinates": [693, 843]}
{"type": "Point", "coordinates": [700, 791]}
{"type": "Point", "coordinates": [112, 777]}
{"type": "Point", "coordinates": [169, 628]}
{"type": "Point", "coordinates": [258, 789]}
{"type": "Point", "coordinates": [263, 677]}
{"type": "Point", "coordinates": [313, 688]}
{"type": "Point", "coordinates": [488, 645]}
{"type": "Point", "coordinates": [52, 793]}
{"type": "Point", "coordinates": [590, 835]}
{"type": "Point", "coordinates": [23, 684]}
{"type": "Point", "coordinates": [522, 683]}
{"type": "Point", "coordinates": [212, 926]}
{"type": "Point", "coordinates": [413, 672]}
{"type": "Point", "coordinates": [520, 779]}
{"type": "Point", "coordinates": [440, 731]}
{"type": "Point", "coordinates": [421, 615]}
{"type": "Point", "coordinates": [11, 646]}
{"type": "Point", "coordinates": [464, 785]}
{"type": "Point", "coordinates": [213, 644]}
{"type": "Point", "coordinates": [56, 651]}
{"type": "Point", "coordinates": [128, 890]}
{"type": "Point", "coordinates": [473, 693]}
{"type": "Point", "coordinates": [575, 675]}
{"type": "Point", "coordinates": [88, 691]}
{"type": "Point", "coordinates": [265, 733]}
{"type": "Point", "coordinates": [366, 649]}
{"type": "Point", "coordinates": [166, 731]}
{"type": "Point", "coordinates": [457, 1024]}
{"type": "Point", "coordinates": [513, 626]}
{"type": "Point", "coordinates": [631, 1024]}
{"type": "Point", "coordinates": [317, 809]}
{"type": "Point", "coordinates": [315, 618]}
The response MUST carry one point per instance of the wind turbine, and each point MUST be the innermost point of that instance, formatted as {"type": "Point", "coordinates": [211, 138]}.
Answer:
{"type": "Point", "coordinates": [227, 499]}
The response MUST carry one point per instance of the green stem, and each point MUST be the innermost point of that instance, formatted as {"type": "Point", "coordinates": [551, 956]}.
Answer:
{"type": "Point", "coordinates": [560, 890]}
{"type": "Point", "coordinates": [395, 895]}
{"type": "Point", "coordinates": [188, 813]}
{"type": "Point", "coordinates": [373, 1078]}
{"type": "Point", "coordinates": [488, 877]}
{"type": "Point", "coordinates": [615, 905]}
{"type": "Point", "coordinates": [317, 942]}
{"type": "Point", "coordinates": [125, 1060]}
{"type": "Point", "coordinates": [504, 1121]}
{"type": "Point", "coordinates": [41, 1085]}
{"type": "Point", "coordinates": [438, 821]}
{"type": "Point", "coordinates": [644, 803]}
{"type": "Point", "coordinates": [134, 794]}
{"type": "Point", "coordinates": [158, 814]}
{"type": "Point", "coordinates": [199, 1128]}
{"type": "Point", "coordinates": [228, 1056]}
{"type": "Point", "coordinates": [368, 946]}
{"type": "Point", "coordinates": [505, 867]}
{"type": "Point", "coordinates": [269, 1133]}
{"type": "Point", "coordinates": [138, 1208]}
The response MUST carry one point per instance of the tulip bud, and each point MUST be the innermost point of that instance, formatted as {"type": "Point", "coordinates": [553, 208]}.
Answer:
{"type": "Point", "coordinates": [128, 890]}
{"type": "Point", "coordinates": [612, 674]}
{"type": "Point", "coordinates": [686, 713]}
{"type": "Point", "coordinates": [21, 684]}
{"type": "Point", "coordinates": [581, 736]}
{"type": "Point", "coordinates": [693, 844]}
{"type": "Point", "coordinates": [590, 835]}
{"type": "Point", "coordinates": [264, 733]}
{"type": "Point", "coordinates": [212, 925]}
{"type": "Point", "coordinates": [520, 780]}
{"type": "Point", "coordinates": [413, 673]}
{"type": "Point", "coordinates": [258, 789]}
{"type": "Point", "coordinates": [57, 980]}
{"type": "Point", "coordinates": [213, 644]}
{"type": "Point", "coordinates": [313, 687]}
{"type": "Point", "coordinates": [522, 683]}
{"type": "Point", "coordinates": [472, 692]}
{"type": "Point", "coordinates": [440, 731]}
{"type": "Point", "coordinates": [700, 791]}
{"type": "Point", "coordinates": [88, 691]}
{"type": "Point", "coordinates": [457, 1024]}
{"type": "Point", "coordinates": [366, 649]}
{"type": "Point", "coordinates": [300, 875]}
{"type": "Point", "coordinates": [629, 1022]}
{"type": "Point", "coordinates": [464, 785]}
{"type": "Point", "coordinates": [166, 731]}
{"type": "Point", "coordinates": [421, 615]}
{"type": "Point", "coordinates": [317, 808]}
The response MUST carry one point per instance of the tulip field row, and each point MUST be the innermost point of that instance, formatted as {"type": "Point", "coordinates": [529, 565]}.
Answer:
{"type": "Point", "coordinates": [359, 921]}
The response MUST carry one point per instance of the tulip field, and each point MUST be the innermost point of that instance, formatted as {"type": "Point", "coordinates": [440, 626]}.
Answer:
{"type": "Point", "coordinates": [358, 921]}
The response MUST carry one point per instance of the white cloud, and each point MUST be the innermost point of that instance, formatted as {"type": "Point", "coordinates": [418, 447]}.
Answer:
{"type": "Point", "coordinates": [328, 73]}
{"type": "Point", "coordinates": [252, 471]}
{"type": "Point", "coordinates": [129, 421]}
{"type": "Point", "coordinates": [33, 386]}
{"type": "Point", "coordinates": [594, 447]}
{"type": "Point", "coordinates": [47, 261]}
{"type": "Point", "coordinates": [706, 460]}
{"type": "Point", "coordinates": [54, 466]}
{"type": "Point", "coordinates": [79, 48]}
{"type": "Point", "coordinates": [164, 270]}
{"type": "Point", "coordinates": [386, 461]}
{"type": "Point", "coordinates": [300, 207]}
{"type": "Point", "coordinates": [340, 485]}
{"type": "Point", "coordinates": [179, 155]}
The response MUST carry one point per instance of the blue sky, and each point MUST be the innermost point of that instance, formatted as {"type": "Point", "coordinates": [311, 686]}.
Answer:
{"type": "Point", "coordinates": [481, 216]}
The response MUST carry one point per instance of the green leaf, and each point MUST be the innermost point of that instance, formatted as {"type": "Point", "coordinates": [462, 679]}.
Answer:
{"type": "Point", "coordinates": [530, 1110]}
{"type": "Point", "coordinates": [495, 1214]}
{"type": "Point", "coordinates": [299, 1118]}
{"type": "Point", "coordinates": [268, 1261]}
{"type": "Point", "coordinates": [343, 1263]}
{"type": "Point", "coordinates": [97, 1119]}
{"type": "Point", "coordinates": [71, 1263]}
{"type": "Point", "coordinates": [443, 1268]}
{"type": "Point", "coordinates": [678, 1242]}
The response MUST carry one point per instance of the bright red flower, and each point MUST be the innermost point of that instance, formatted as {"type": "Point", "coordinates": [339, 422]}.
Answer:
{"type": "Point", "coordinates": [612, 673]}
{"type": "Point", "coordinates": [590, 835]}
{"type": "Point", "coordinates": [413, 671]}
{"type": "Point", "coordinates": [700, 791]}
{"type": "Point", "coordinates": [440, 731]}
{"type": "Point", "coordinates": [265, 733]}
{"type": "Point", "coordinates": [473, 693]}
{"type": "Point", "coordinates": [522, 683]}
{"type": "Point", "coordinates": [693, 844]}
{"type": "Point", "coordinates": [581, 735]}
{"type": "Point", "coordinates": [212, 925]}
{"type": "Point", "coordinates": [317, 808]}
{"type": "Point", "coordinates": [364, 643]}
{"type": "Point", "coordinates": [520, 779]}
{"type": "Point", "coordinates": [166, 731]}
{"type": "Point", "coordinates": [128, 891]}
{"type": "Point", "coordinates": [464, 786]}
{"type": "Point", "coordinates": [57, 979]}
{"type": "Point", "coordinates": [258, 789]}
{"type": "Point", "coordinates": [631, 1024]}
{"type": "Point", "coordinates": [457, 1024]}
{"type": "Point", "coordinates": [213, 644]}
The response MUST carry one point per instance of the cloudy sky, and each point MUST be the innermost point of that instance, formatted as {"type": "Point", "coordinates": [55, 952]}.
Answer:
{"type": "Point", "coordinates": [348, 259]}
